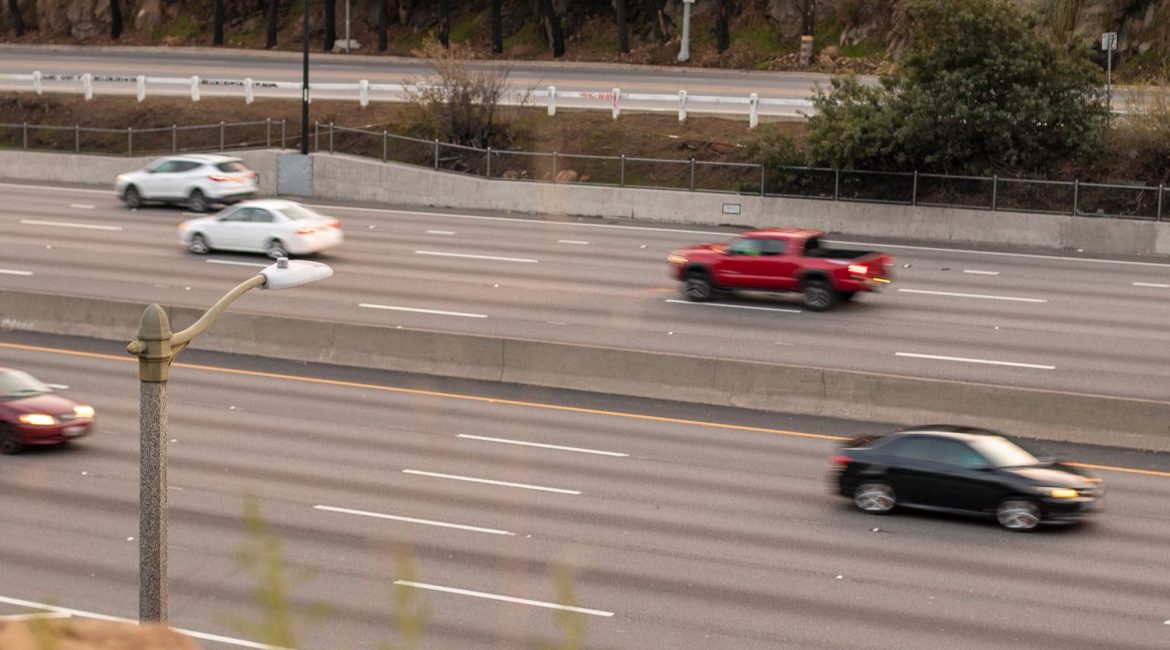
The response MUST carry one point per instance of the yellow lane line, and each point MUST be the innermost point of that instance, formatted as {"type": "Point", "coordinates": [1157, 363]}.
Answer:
{"type": "Point", "coordinates": [509, 402]}
{"type": "Point", "coordinates": [431, 393]}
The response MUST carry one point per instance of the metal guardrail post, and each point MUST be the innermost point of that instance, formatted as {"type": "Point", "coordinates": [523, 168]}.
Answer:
{"type": "Point", "coordinates": [174, 138]}
{"type": "Point", "coordinates": [622, 172]}
{"type": "Point", "coordinates": [77, 138]}
{"type": "Point", "coordinates": [221, 135]}
{"type": "Point", "coordinates": [994, 192]}
{"type": "Point", "coordinates": [1161, 191]}
{"type": "Point", "coordinates": [692, 174]}
{"type": "Point", "coordinates": [554, 176]}
{"type": "Point", "coordinates": [24, 135]}
{"type": "Point", "coordinates": [1076, 196]}
{"type": "Point", "coordinates": [268, 133]}
{"type": "Point", "coordinates": [331, 137]}
{"type": "Point", "coordinates": [282, 134]}
{"type": "Point", "coordinates": [914, 190]}
{"type": "Point", "coordinates": [385, 143]}
{"type": "Point", "coordinates": [129, 141]}
{"type": "Point", "coordinates": [489, 163]}
{"type": "Point", "coordinates": [436, 154]}
{"type": "Point", "coordinates": [837, 184]}
{"type": "Point", "coordinates": [763, 179]}
{"type": "Point", "coordinates": [317, 136]}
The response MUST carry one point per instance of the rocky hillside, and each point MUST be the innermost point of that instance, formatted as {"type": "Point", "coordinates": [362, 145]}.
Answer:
{"type": "Point", "coordinates": [762, 34]}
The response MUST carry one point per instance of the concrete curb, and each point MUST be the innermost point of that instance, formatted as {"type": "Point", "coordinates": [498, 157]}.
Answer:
{"type": "Point", "coordinates": [1052, 415]}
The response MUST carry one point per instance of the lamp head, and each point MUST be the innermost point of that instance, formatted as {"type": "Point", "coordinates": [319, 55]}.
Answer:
{"type": "Point", "coordinates": [285, 274]}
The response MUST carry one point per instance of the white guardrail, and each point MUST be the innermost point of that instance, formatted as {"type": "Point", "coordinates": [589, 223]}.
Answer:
{"type": "Point", "coordinates": [611, 101]}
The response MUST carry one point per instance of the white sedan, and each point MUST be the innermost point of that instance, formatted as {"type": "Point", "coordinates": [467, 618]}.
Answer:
{"type": "Point", "coordinates": [274, 227]}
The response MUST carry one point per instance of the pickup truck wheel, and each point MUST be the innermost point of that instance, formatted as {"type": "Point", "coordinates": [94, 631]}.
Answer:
{"type": "Point", "coordinates": [698, 287]}
{"type": "Point", "coordinates": [818, 295]}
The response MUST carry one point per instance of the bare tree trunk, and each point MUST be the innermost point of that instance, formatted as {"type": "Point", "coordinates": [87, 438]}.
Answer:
{"type": "Point", "coordinates": [383, 23]}
{"type": "Point", "coordinates": [217, 23]}
{"type": "Point", "coordinates": [722, 33]}
{"type": "Point", "coordinates": [17, 19]}
{"type": "Point", "coordinates": [445, 22]}
{"type": "Point", "coordinates": [405, 8]}
{"type": "Point", "coordinates": [623, 32]}
{"type": "Point", "coordinates": [497, 28]}
{"type": "Point", "coordinates": [273, 6]}
{"type": "Point", "coordinates": [115, 19]}
{"type": "Point", "coordinates": [660, 20]}
{"type": "Point", "coordinates": [554, 27]}
{"type": "Point", "coordinates": [330, 24]}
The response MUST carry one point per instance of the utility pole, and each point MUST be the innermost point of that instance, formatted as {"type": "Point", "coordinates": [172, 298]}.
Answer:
{"type": "Point", "coordinates": [806, 32]}
{"type": "Point", "coordinates": [1108, 45]}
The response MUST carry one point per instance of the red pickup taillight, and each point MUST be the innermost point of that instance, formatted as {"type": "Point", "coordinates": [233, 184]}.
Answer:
{"type": "Point", "coordinates": [859, 269]}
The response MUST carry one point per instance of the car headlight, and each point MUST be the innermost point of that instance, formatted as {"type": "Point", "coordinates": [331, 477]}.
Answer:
{"type": "Point", "coordinates": [1059, 493]}
{"type": "Point", "coordinates": [38, 419]}
{"type": "Point", "coordinates": [676, 259]}
{"type": "Point", "coordinates": [83, 411]}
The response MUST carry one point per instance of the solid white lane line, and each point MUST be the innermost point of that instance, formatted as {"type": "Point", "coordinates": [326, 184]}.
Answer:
{"type": "Point", "coordinates": [989, 362]}
{"type": "Point", "coordinates": [233, 263]}
{"type": "Point", "coordinates": [478, 257]}
{"type": "Point", "coordinates": [485, 481]}
{"type": "Point", "coordinates": [62, 224]}
{"type": "Point", "coordinates": [412, 520]}
{"type": "Point", "coordinates": [81, 613]}
{"type": "Point", "coordinates": [976, 272]}
{"type": "Point", "coordinates": [81, 206]}
{"type": "Point", "coordinates": [34, 617]}
{"type": "Point", "coordinates": [1155, 285]}
{"type": "Point", "coordinates": [14, 272]}
{"type": "Point", "coordinates": [543, 446]}
{"type": "Point", "coordinates": [440, 232]}
{"type": "Point", "coordinates": [727, 234]}
{"type": "Point", "coordinates": [970, 295]}
{"type": "Point", "coordinates": [421, 311]}
{"type": "Point", "coordinates": [506, 599]}
{"type": "Point", "coordinates": [58, 386]}
{"type": "Point", "coordinates": [575, 242]}
{"type": "Point", "coordinates": [715, 304]}
{"type": "Point", "coordinates": [57, 189]}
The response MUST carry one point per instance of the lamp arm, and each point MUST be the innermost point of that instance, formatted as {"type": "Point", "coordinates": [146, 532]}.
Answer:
{"type": "Point", "coordinates": [181, 339]}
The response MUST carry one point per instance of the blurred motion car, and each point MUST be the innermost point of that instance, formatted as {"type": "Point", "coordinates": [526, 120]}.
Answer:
{"type": "Point", "coordinates": [963, 470]}
{"type": "Point", "coordinates": [275, 227]}
{"type": "Point", "coordinates": [780, 259]}
{"type": "Point", "coordinates": [32, 413]}
{"type": "Point", "coordinates": [195, 180]}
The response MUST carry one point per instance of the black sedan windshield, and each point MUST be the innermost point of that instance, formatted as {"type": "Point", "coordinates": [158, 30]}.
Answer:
{"type": "Point", "coordinates": [14, 384]}
{"type": "Point", "coordinates": [1002, 452]}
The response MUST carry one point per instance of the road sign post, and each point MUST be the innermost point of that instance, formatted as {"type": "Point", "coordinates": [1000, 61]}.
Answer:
{"type": "Point", "coordinates": [1108, 45]}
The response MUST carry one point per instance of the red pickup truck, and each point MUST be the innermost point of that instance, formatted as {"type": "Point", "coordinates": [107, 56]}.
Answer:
{"type": "Point", "coordinates": [780, 259]}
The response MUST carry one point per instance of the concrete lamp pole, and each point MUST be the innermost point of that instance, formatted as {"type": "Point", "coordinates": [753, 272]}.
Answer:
{"type": "Point", "coordinates": [684, 52]}
{"type": "Point", "coordinates": [156, 347]}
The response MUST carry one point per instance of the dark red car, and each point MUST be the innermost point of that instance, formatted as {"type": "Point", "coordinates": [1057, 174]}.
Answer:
{"type": "Point", "coordinates": [31, 413]}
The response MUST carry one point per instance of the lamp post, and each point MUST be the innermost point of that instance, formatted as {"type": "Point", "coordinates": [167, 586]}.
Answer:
{"type": "Point", "coordinates": [156, 347]}
{"type": "Point", "coordinates": [305, 83]}
{"type": "Point", "coordinates": [684, 51]}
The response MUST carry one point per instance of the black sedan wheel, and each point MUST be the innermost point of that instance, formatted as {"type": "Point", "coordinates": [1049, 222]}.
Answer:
{"type": "Point", "coordinates": [875, 497]}
{"type": "Point", "coordinates": [1018, 514]}
{"type": "Point", "coordinates": [9, 440]}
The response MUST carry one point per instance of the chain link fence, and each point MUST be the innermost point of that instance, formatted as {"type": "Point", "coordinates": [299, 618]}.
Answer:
{"type": "Point", "coordinates": [1130, 201]}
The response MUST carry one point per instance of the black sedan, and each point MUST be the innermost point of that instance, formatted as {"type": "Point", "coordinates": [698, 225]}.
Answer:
{"type": "Point", "coordinates": [965, 470]}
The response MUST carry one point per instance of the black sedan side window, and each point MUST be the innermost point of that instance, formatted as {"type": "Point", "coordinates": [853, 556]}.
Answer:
{"type": "Point", "coordinates": [958, 454]}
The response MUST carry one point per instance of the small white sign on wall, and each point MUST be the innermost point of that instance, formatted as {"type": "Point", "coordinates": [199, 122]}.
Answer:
{"type": "Point", "coordinates": [731, 208]}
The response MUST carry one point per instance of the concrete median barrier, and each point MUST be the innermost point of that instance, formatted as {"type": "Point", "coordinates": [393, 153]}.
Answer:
{"type": "Point", "coordinates": [1053, 415]}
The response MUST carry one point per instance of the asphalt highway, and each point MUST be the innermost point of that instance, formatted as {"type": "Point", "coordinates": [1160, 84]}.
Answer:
{"type": "Point", "coordinates": [681, 526]}
{"type": "Point", "coordinates": [1039, 320]}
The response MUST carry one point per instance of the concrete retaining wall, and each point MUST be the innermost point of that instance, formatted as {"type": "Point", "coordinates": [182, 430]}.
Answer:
{"type": "Point", "coordinates": [1142, 424]}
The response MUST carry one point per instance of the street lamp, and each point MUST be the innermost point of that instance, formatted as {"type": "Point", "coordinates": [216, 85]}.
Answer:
{"type": "Point", "coordinates": [684, 52]}
{"type": "Point", "coordinates": [156, 347]}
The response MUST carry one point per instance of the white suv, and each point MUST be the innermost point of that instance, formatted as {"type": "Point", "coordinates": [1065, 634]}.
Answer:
{"type": "Point", "coordinates": [196, 180]}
